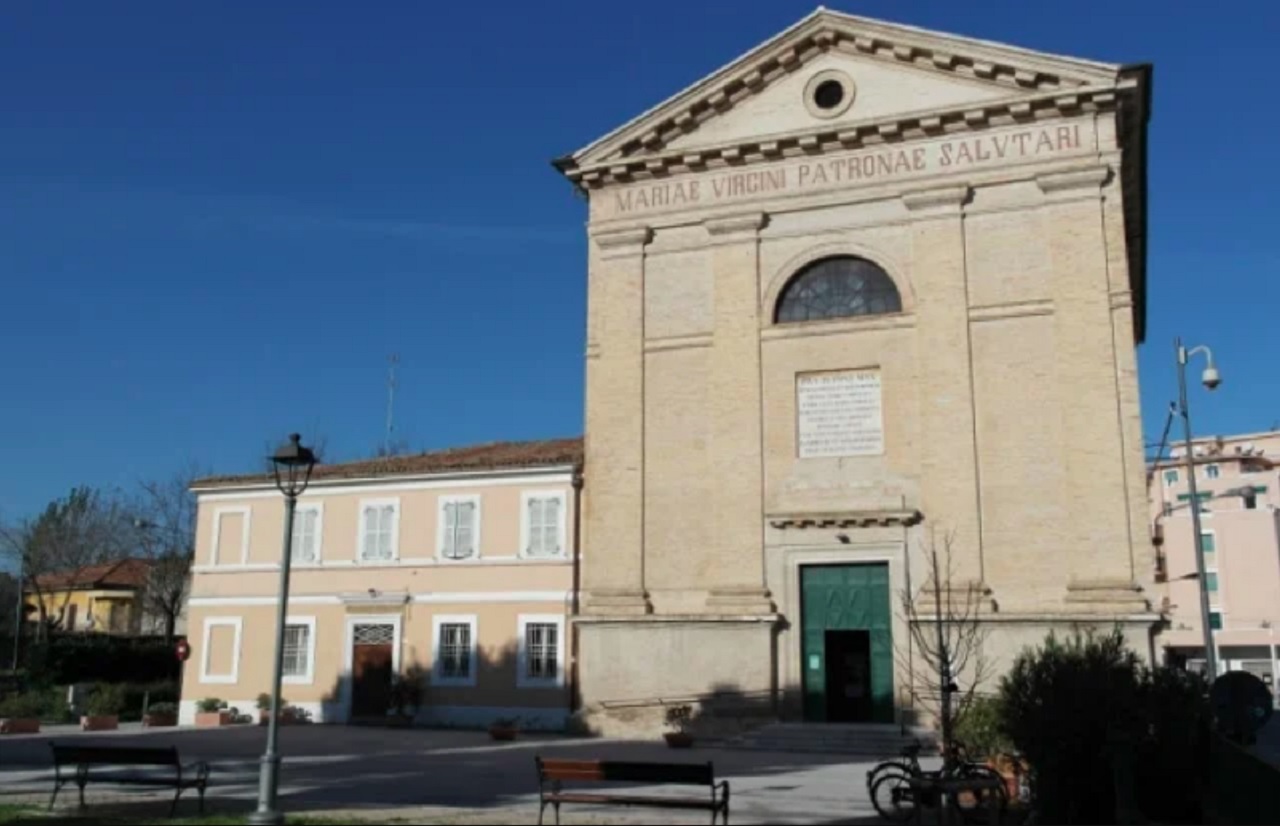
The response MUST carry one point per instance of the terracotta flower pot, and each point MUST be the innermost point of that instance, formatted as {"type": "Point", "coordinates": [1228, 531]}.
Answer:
{"type": "Point", "coordinates": [678, 739]}
{"type": "Point", "coordinates": [159, 720]}
{"type": "Point", "coordinates": [213, 719]}
{"type": "Point", "coordinates": [19, 725]}
{"type": "Point", "coordinates": [99, 722]}
{"type": "Point", "coordinates": [503, 733]}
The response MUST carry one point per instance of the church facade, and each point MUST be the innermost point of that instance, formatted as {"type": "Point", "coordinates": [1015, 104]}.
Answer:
{"type": "Point", "coordinates": [865, 293]}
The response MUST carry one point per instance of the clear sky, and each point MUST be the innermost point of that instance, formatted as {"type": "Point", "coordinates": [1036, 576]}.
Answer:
{"type": "Point", "coordinates": [219, 220]}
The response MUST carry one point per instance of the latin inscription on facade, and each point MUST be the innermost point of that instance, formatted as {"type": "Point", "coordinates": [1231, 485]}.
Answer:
{"type": "Point", "coordinates": [839, 414]}
{"type": "Point", "coordinates": [844, 170]}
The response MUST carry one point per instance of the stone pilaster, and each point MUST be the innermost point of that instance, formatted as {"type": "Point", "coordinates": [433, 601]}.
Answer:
{"type": "Point", "coordinates": [734, 567]}
{"type": "Point", "coordinates": [1097, 530]}
{"type": "Point", "coordinates": [949, 470]}
{"type": "Point", "coordinates": [614, 510]}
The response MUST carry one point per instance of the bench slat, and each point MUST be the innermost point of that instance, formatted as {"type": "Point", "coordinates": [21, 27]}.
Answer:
{"type": "Point", "coordinates": [112, 755]}
{"type": "Point", "coordinates": [634, 800]}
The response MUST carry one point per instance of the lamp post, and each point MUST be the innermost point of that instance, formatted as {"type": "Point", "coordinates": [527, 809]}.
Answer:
{"type": "Point", "coordinates": [292, 464]}
{"type": "Point", "coordinates": [1211, 379]}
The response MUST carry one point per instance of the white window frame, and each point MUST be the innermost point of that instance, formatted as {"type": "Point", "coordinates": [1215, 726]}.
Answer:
{"type": "Point", "coordinates": [318, 507]}
{"type": "Point", "coordinates": [1212, 472]}
{"type": "Point", "coordinates": [1171, 477]}
{"type": "Point", "coordinates": [221, 679]}
{"type": "Point", "coordinates": [394, 502]}
{"type": "Point", "coordinates": [525, 497]}
{"type": "Point", "coordinates": [309, 677]}
{"type": "Point", "coordinates": [442, 523]}
{"type": "Point", "coordinates": [523, 622]}
{"type": "Point", "coordinates": [437, 678]}
{"type": "Point", "coordinates": [246, 512]}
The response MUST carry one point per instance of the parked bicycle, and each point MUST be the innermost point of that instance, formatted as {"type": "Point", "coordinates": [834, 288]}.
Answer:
{"type": "Point", "coordinates": [890, 786]}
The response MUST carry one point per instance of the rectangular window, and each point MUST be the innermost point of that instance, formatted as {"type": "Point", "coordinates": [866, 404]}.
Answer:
{"type": "Point", "coordinates": [541, 641]}
{"type": "Point", "coordinates": [455, 656]}
{"type": "Point", "coordinates": [1208, 543]}
{"type": "Point", "coordinates": [1211, 581]}
{"type": "Point", "coordinates": [306, 534]}
{"type": "Point", "coordinates": [297, 650]}
{"type": "Point", "coordinates": [1215, 620]}
{"type": "Point", "coordinates": [378, 525]}
{"type": "Point", "coordinates": [1171, 477]}
{"type": "Point", "coordinates": [543, 526]}
{"type": "Point", "coordinates": [1210, 560]}
{"type": "Point", "coordinates": [1167, 509]}
{"type": "Point", "coordinates": [541, 656]}
{"type": "Point", "coordinates": [1212, 472]}
{"type": "Point", "coordinates": [459, 527]}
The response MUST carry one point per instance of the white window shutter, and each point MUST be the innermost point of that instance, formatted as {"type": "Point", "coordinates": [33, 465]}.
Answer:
{"type": "Point", "coordinates": [368, 541]}
{"type": "Point", "coordinates": [450, 528]}
{"type": "Point", "coordinates": [466, 529]}
{"type": "Point", "coordinates": [551, 526]}
{"type": "Point", "coordinates": [535, 527]}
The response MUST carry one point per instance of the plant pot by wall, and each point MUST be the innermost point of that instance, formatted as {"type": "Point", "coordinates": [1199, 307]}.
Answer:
{"type": "Point", "coordinates": [678, 739]}
{"type": "Point", "coordinates": [159, 720]}
{"type": "Point", "coordinates": [287, 717]}
{"type": "Point", "coordinates": [100, 722]}
{"type": "Point", "coordinates": [214, 719]}
{"type": "Point", "coordinates": [503, 733]}
{"type": "Point", "coordinates": [19, 725]}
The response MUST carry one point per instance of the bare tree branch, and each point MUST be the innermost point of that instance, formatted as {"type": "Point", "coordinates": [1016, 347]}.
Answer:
{"type": "Point", "coordinates": [947, 636]}
{"type": "Point", "coordinates": [166, 529]}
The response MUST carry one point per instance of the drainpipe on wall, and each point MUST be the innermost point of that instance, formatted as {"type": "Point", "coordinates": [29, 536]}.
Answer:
{"type": "Point", "coordinates": [574, 603]}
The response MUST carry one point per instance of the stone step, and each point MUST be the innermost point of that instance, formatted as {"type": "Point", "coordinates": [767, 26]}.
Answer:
{"type": "Point", "coordinates": [881, 741]}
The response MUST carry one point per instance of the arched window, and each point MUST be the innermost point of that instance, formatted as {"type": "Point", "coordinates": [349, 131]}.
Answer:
{"type": "Point", "coordinates": [837, 288]}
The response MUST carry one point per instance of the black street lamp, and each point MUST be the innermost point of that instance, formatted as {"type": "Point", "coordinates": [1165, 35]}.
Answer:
{"type": "Point", "coordinates": [292, 464]}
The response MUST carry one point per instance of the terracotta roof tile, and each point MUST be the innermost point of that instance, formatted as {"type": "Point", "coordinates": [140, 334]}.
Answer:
{"type": "Point", "coordinates": [487, 456]}
{"type": "Point", "coordinates": [121, 573]}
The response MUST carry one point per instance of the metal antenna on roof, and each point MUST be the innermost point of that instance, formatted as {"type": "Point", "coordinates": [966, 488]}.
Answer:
{"type": "Point", "coordinates": [392, 363]}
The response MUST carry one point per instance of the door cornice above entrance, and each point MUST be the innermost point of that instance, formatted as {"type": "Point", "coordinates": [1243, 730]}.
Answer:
{"type": "Point", "coordinates": [846, 519]}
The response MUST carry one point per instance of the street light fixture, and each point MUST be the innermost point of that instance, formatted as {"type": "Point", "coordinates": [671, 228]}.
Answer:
{"type": "Point", "coordinates": [292, 465]}
{"type": "Point", "coordinates": [1211, 379]}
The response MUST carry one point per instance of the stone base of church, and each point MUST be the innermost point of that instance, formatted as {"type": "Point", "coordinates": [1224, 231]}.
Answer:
{"type": "Point", "coordinates": [727, 667]}
{"type": "Point", "coordinates": [631, 669]}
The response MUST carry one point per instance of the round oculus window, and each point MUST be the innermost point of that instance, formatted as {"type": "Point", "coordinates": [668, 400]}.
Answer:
{"type": "Point", "coordinates": [829, 94]}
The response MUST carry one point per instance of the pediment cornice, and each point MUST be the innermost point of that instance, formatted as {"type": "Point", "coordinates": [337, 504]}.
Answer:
{"type": "Point", "coordinates": [1023, 73]}
{"type": "Point", "coordinates": [829, 137]}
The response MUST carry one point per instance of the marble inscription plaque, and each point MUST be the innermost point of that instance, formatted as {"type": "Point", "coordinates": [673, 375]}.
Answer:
{"type": "Point", "coordinates": [839, 414]}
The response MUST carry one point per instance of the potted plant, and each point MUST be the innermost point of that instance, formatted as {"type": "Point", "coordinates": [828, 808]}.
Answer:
{"type": "Point", "coordinates": [102, 712]}
{"type": "Point", "coordinates": [20, 714]}
{"type": "Point", "coordinates": [213, 713]}
{"type": "Point", "coordinates": [160, 715]}
{"type": "Point", "coordinates": [406, 697]}
{"type": "Point", "coordinates": [264, 710]}
{"type": "Point", "coordinates": [505, 729]}
{"type": "Point", "coordinates": [679, 718]}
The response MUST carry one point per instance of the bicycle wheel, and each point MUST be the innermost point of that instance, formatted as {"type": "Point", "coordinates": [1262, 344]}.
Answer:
{"type": "Point", "coordinates": [888, 765]}
{"type": "Point", "coordinates": [975, 806]}
{"type": "Point", "coordinates": [893, 797]}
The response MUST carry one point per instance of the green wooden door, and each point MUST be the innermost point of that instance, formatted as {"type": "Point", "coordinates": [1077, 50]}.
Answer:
{"type": "Point", "coordinates": [846, 598]}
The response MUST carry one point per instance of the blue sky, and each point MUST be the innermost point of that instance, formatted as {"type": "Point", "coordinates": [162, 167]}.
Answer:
{"type": "Point", "coordinates": [219, 220]}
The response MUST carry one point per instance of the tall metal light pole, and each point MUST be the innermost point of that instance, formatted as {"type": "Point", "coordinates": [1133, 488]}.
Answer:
{"type": "Point", "coordinates": [1211, 380]}
{"type": "Point", "coordinates": [292, 464]}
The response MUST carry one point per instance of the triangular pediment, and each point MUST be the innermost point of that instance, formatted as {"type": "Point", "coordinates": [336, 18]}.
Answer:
{"type": "Point", "coordinates": [888, 71]}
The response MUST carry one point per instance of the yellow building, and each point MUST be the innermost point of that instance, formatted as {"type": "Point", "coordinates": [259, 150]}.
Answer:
{"type": "Point", "coordinates": [105, 598]}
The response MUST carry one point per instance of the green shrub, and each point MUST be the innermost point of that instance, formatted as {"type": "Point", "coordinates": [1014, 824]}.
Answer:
{"type": "Point", "coordinates": [210, 705]}
{"type": "Point", "coordinates": [1086, 712]}
{"type": "Point", "coordinates": [980, 728]}
{"type": "Point", "coordinates": [47, 704]}
{"type": "Point", "coordinates": [30, 705]}
{"type": "Point", "coordinates": [135, 694]}
{"type": "Point", "coordinates": [106, 700]}
{"type": "Point", "coordinates": [89, 658]}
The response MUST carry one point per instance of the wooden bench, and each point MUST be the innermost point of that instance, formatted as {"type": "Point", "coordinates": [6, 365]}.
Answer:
{"type": "Point", "coordinates": [84, 758]}
{"type": "Point", "coordinates": [554, 774]}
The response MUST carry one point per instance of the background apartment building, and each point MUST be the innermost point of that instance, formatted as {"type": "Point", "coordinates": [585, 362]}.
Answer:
{"type": "Point", "coordinates": [455, 569]}
{"type": "Point", "coordinates": [1238, 480]}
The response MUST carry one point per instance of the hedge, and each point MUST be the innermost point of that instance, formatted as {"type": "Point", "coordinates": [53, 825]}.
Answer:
{"type": "Point", "coordinates": [100, 659]}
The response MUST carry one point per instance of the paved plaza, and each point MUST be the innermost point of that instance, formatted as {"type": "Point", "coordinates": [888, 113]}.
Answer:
{"type": "Point", "coordinates": [442, 776]}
